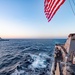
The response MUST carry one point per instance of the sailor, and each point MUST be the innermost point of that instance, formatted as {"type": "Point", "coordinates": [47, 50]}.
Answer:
{"type": "Point", "coordinates": [58, 58]}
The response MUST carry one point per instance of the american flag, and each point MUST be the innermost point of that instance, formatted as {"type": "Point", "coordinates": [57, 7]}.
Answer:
{"type": "Point", "coordinates": [51, 7]}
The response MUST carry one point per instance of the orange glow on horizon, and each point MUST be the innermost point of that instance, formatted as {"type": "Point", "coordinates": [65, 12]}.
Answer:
{"type": "Point", "coordinates": [27, 36]}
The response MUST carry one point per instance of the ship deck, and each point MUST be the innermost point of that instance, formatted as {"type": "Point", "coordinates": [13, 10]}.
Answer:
{"type": "Point", "coordinates": [57, 72]}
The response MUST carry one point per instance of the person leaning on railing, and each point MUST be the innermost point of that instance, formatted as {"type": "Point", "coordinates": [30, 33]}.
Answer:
{"type": "Point", "coordinates": [58, 57]}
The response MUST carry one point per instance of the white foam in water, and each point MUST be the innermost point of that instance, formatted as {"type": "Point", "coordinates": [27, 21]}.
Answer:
{"type": "Point", "coordinates": [39, 62]}
{"type": "Point", "coordinates": [44, 55]}
{"type": "Point", "coordinates": [17, 72]}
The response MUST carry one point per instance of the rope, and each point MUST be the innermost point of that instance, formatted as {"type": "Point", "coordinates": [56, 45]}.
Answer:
{"type": "Point", "coordinates": [71, 7]}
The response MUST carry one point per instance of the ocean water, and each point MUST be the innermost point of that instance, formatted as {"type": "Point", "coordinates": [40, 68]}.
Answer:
{"type": "Point", "coordinates": [27, 56]}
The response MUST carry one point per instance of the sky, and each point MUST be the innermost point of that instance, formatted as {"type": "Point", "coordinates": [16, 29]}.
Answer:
{"type": "Point", "coordinates": [26, 19]}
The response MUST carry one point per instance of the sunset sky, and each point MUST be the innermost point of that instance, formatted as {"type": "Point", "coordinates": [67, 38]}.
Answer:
{"type": "Point", "coordinates": [26, 19]}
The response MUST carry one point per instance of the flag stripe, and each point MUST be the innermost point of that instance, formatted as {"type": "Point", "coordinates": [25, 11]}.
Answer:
{"type": "Point", "coordinates": [51, 7]}
{"type": "Point", "coordinates": [56, 10]}
{"type": "Point", "coordinates": [48, 9]}
{"type": "Point", "coordinates": [47, 6]}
